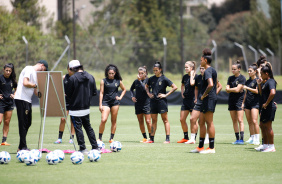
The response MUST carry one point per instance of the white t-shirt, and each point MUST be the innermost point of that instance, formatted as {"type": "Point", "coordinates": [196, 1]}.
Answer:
{"type": "Point", "coordinates": [24, 93]}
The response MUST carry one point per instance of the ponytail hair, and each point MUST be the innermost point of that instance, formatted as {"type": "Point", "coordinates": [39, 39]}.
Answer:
{"type": "Point", "coordinates": [207, 55]}
{"type": "Point", "coordinates": [13, 74]}
{"type": "Point", "coordinates": [115, 69]}
{"type": "Point", "coordinates": [267, 68]}
{"type": "Point", "coordinates": [158, 65]}
{"type": "Point", "coordinates": [261, 60]}
{"type": "Point", "coordinates": [238, 64]}
{"type": "Point", "coordinates": [191, 64]}
{"type": "Point", "coordinates": [144, 69]}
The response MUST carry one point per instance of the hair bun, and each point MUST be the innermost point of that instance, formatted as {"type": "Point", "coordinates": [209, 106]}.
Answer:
{"type": "Point", "coordinates": [238, 62]}
{"type": "Point", "coordinates": [207, 52]}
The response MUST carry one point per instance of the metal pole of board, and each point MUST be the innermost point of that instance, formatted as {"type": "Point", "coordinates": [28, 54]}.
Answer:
{"type": "Point", "coordinates": [41, 112]}
{"type": "Point", "coordinates": [45, 108]}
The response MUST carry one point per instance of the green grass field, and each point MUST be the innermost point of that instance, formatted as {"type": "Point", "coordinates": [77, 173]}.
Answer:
{"type": "Point", "coordinates": [148, 163]}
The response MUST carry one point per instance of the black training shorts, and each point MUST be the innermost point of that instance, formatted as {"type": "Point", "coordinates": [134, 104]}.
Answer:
{"type": "Point", "coordinates": [187, 104]}
{"type": "Point", "coordinates": [159, 106]}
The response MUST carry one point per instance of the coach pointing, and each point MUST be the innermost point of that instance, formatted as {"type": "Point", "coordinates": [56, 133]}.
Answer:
{"type": "Point", "coordinates": [26, 87]}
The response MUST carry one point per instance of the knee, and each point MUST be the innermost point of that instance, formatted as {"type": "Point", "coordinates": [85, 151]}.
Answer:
{"type": "Point", "coordinates": [103, 121]}
{"type": "Point", "coordinates": [6, 122]}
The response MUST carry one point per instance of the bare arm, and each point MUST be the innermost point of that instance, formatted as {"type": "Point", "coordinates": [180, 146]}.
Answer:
{"type": "Point", "coordinates": [101, 95]}
{"type": "Point", "coordinates": [192, 78]}
{"type": "Point", "coordinates": [28, 84]}
{"type": "Point", "coordinates": [251, 89]}
{"type": "Point", "coordinates": [196, 94]}
{"type": "Point", "coordinates": [209, 88]}
{"type": "Point", "coordinates": [174, 87]}
{"type": "Point", "coordinates": [244, 99]}
{"type": "Point", "coordinates": [259, 81]}
{"type": "Point", "coordinates": [270, 98]}
{"type": "Point", "coordinates": [123, 91]}
{"type": "Point", "coordinates": [148, 92]}
{"type": "Point", "coordinates": [218, 87]}
{"type": "Point", "coordinates": [182, 90]}
{"type": "Point", "coordinates": [237, 89]}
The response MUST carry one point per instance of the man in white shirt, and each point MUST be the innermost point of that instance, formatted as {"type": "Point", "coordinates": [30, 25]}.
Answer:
{"type": "Point", "coordinates": [27, 85]}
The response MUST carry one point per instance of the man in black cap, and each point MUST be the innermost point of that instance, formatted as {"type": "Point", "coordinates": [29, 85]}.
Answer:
{"type": "Point", "coordinates": [27, 85]}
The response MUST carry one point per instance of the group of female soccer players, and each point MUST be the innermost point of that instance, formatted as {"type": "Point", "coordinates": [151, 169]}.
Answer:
{"type": "Point", "coordinates": [199, 93]}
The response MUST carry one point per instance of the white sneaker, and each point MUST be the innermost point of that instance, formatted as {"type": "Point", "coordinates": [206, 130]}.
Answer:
{"type": "Point", "coordinates": [207, 151]}
{"type": "Point", "coordinates": [190, 142]}
{"type": "Point", "coordinates": [206, 141]}
{"type": "Point", "coordinates": [260, 148]}
{"type": "Point", "coordinates": [269, 150]}
{"type": "Point", "coordinates": [256, 143]}
{"type": "Point", "coordinates": [248, 141]}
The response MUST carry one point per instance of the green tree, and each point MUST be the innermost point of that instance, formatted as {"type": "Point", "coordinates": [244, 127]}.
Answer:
{"type": "Point", "coordinates": [29, 11]}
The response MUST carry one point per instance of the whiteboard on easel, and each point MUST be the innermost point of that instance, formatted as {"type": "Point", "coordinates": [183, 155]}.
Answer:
{"type": "Point", "coordinates": [56, 106]}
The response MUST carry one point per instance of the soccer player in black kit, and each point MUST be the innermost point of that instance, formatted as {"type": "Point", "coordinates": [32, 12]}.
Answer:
{"type": "Point", "coordinates": [142, 101]}
{"type": "Point", "coordinates": [235, 88]}
{"type": "Point", "coordinates": [209, 99]}
{"type": "Point", "coordinates": [188, 95]}
{"type": "Point", "coordinates": [267, 91]}
{"type": "Point", "coordinates": [158, 84]}
{"type": "Point", "coordinates": [7, 84]}
{"type": "Point", "coordinates": [109, 100]}
{"type": "Point", "coordinates": [251, 104]}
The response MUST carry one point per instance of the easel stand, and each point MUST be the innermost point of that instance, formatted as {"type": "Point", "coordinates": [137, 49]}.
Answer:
{"type": "Point", "coordinates": [51, 99]}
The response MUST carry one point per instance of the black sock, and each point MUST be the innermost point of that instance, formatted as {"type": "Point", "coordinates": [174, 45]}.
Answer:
{"type": "Point", "coordinates": [186, 135]}
{"type": "Point", "coordinates": [144, 135]}
{"type": "Point", "coordinates": [211, 144]}
{"type": "Point", "coordinates": [149, 134]}
{"type": "Point", "coordinates": [72, 137]}
{"type": "Point", "coordinates": [152, 138]}
{"type": "Point", "coordinates": [262, 141]}
{"type": "Point", "coordinates": [196, 135]}
{"type": "Point", "coordinates": [237, 136]}
{"type": "Point", "coordinates": [167, 138]}
{"type": "Point", "coordinates": [60, 134]}
{"type": "Point", "coordinates": [112, 136]}
{"type": "Point", "coordinates": [201, 143]}
{"type": "Point", "coordinates": [100, 136]}
{"type": "Point", "coordinates": [4, 139]}
{"type": "Point", "coordinates": [242, 135]}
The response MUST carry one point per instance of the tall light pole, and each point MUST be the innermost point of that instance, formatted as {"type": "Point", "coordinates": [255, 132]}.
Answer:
{"type": "Point", "coordinates": [214, 50]}
{"type": "Point", "coordinates": [181, 36]}
{"type": "Point", "coordinates": [73, 28]}
{"type": "Point", "coordinates": [165, 44]}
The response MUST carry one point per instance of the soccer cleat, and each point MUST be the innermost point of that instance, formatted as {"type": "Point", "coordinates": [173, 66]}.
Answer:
{"type": "Point", "coordinates": [190, 142]}
{"type": "Point", "coordinates": [251, 142]}
{"type": "Point", "coordinates": [269, 150]}
{"type": "Point", "coordinates": [241, 142]}
{"type": "Point", "coordinates": [71, 141]}
{"type": "Point", "coordinates": [182, 140]}
{"type": "Point", "coordinates": [236, 142]}
{"type": "Point", "coordinates": [260, 148]}
{"type": "Point", "coordinates": [206, 141]}
{"type": "Point", "coordinates": [248, 141]}
{"type": "Point", "coordinates": [208, 150]}
{"type": "Point", "coordinates": [166, 142]}
{"type": "Point", "coordinates": [59, 141]}
{"type": "Point", "coordinates": [144, 140]}
{"type": "Point", "coordinates": [111, 140]}
{"type": "Point", "coordinates": [5, 144]}
{"type": "Point", "coordinates": [149, 141]}
{"type": "Point", "coordinates": [197, 150]}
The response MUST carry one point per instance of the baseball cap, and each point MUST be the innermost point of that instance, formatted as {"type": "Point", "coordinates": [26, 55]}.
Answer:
{"type": "Point", "coordinates": [44, 63]}
{"type": "Point", "coordinates": [74, 64]}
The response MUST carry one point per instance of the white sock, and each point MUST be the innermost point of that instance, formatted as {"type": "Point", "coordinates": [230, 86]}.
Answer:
{"type": "Point", "coordinates": [193, 136]}
{"type": "Point", "coordinates": [253, 137]}
{"type": "Point", "coordinates": [265, 146]}
{"type": "Point", "coordinates": [207, 136]}
{"type": "Point", "coordinates": [257, 137]}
